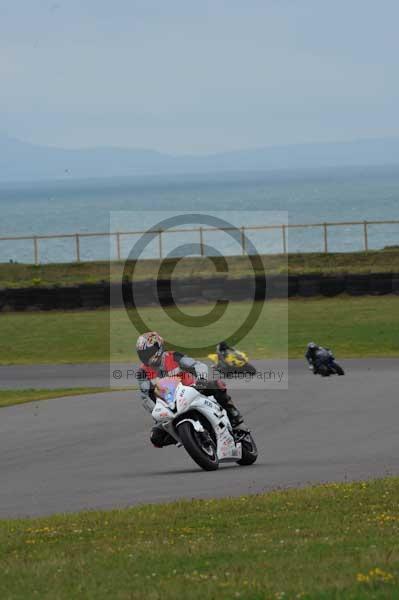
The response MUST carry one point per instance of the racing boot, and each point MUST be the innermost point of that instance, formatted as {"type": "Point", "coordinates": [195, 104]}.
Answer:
{"type": "Point", "coordinates": [217, 389]}
{"type": "Point", "coordinates": [160, 438]}
{"type": "Point", "coordinates": [236, 418]}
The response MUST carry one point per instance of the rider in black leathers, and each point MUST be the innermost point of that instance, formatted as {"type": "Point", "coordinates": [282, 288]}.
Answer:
{"type": "Point", "coordinates": [316, 355]}
{"type": "Point", "coordinates": [223, 349]}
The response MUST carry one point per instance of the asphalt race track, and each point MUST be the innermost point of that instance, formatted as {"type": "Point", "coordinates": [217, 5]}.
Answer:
{"type": "Point", "coordinates": [93, 451]}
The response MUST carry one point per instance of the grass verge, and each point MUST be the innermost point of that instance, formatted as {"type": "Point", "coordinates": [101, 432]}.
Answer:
{"type": "Point", "coordinates": [352, 326]}
{"type": "Point", "coordinates": [11, 397]}
{"type": "Point", "coordinates": [377, 261]}
{"type": "Point", "coordinates": [335, 541]}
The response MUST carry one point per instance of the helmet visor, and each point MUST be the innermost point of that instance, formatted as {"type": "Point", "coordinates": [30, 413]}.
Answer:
{"type": "Point", "coordinates": [146, 354]}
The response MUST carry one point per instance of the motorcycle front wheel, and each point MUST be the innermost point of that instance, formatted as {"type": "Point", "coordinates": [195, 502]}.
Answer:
{"type": "Point", "coordinates": [200, 447]}
{"type": "Point", "coordinates": [249, 451]}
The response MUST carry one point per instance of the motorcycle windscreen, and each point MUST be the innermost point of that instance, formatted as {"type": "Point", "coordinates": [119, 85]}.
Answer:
{"type": "Point", "coordinates": [166, 389]}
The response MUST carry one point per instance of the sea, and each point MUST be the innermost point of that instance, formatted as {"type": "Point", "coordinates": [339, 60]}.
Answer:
{"type": "Point", "coordinates": [240, 199]}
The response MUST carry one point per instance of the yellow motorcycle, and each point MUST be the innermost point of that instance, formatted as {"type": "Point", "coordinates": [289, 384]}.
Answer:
{"type": "Point", "coordinates": [232, 362]}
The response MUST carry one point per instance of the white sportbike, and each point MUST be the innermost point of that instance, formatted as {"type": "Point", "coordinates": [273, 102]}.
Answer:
{"type": "Point", "coordinates": [201, 425]}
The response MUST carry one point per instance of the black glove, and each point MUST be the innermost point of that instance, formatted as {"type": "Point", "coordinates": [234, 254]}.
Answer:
{"type": "Point", "coordinates": [201, 383]}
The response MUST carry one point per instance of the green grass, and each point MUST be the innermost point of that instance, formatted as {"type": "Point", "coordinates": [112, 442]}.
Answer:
{"type": "Point", "coordinates": [330, 542]}
{"type": "Point", "coordinates": [11, 397]}
{"type": "Point", "coordinates": [377, 261]}
{"type": "Point", "coordinates": [380, 261]}
{"type": "Point", "coordinates": [352, 326]}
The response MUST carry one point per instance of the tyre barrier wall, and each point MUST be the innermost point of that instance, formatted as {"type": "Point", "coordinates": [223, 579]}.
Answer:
{"type": "Point", "coordinates": [147, 293]}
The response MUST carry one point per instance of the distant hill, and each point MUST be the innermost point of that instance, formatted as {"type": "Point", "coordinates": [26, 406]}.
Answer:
{"type": "Point", "coordinates": [21, 161]}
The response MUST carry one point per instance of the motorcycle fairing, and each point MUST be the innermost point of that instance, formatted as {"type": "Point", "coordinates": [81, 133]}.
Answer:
{"type": "Point", "coordinates": [236, 359]}
{"type": "Point", "coordinates": [186, 397]}
{"type": "Point", "coordinates": [161, 411]}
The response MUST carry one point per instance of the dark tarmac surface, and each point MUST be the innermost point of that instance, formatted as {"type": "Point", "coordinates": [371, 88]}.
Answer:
{"type": "Point", "coordinates": [93, 451]}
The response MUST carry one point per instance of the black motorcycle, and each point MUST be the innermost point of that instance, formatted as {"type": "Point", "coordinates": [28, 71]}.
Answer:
{"type": "Point", "coordinates": [326, 366]}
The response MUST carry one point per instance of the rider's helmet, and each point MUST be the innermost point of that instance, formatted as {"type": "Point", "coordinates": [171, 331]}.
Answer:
{"type": "Point", "coordinates": [150, 347]}
{"type": "Point", "coordinates": [223, 347]}
{"type": "Point", "coordinates": [312, 346]}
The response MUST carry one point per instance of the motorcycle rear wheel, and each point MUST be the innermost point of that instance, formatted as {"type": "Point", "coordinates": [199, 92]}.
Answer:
{"type": "Point", "coordinates": [323, 370]}
{"type": "Point", "coordinates": [205, 457]}
{"type": "Point", "coordinates": [338, 369]}
{"type": "Point", "coordinates": [249, 369]}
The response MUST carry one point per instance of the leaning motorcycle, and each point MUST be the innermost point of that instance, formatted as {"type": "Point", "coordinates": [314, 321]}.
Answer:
{"type": "Point", "coordinates": [234, 362]}
{"type": "Point", "coordinates": [326, 366]}
{"type": "Point", "coordinates": [201, 426]}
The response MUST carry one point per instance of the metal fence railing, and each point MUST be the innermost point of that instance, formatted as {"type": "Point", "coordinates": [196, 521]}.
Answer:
{"type": "Point", "coordinates": [200, 233]}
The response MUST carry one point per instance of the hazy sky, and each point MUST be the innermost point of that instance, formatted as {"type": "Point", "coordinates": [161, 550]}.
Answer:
{"type": "Point", "coordinates": [193, 76]}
